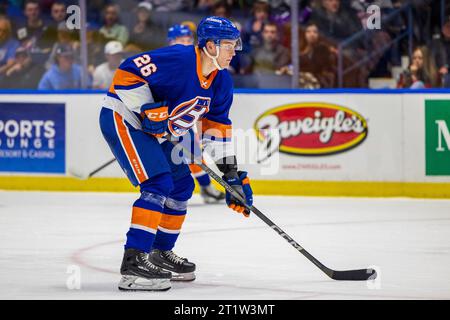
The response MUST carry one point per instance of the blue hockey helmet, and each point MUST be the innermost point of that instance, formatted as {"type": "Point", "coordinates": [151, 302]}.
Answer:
{"type": "Point", "coordinates": [216, 29]}
{"type": "Point", "coordinates": [178, 30]}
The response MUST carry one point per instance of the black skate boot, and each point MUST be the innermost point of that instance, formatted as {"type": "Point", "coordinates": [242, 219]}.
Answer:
{"type": "Point", "coordinates": [181, 268]}
{"type": "Point", "coordinates": [139, 274]}
{"type": "Point", "coordinates": [211, 195]}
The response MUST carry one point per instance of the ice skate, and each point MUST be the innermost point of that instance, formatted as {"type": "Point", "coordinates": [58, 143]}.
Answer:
{"type": "Point", "coordinates": [211, 195]}
{"type": "Point", "coordinates": [181, 268]}
{"type": "Point", "coordinates": [139, 274]}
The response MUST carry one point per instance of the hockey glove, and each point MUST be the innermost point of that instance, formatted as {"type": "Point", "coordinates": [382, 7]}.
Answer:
{"type": "Point", "coordinates": [240, 183]}
{"type": "Point", "coordinates": [155, 118]}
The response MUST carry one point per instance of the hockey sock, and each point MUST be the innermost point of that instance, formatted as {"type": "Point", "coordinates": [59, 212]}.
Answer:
{"type": "Point", "coordinates": [170, 225]}
{"type": "Point", "coordinates": [147, 212]}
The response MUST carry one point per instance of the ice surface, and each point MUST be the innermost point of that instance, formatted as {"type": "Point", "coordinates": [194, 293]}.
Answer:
{"type": "Point", "coordinates": [45, 235]}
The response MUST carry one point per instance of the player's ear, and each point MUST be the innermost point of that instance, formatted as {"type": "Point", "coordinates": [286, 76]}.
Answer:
{"type": "Point", "coordinates": [211, 47]}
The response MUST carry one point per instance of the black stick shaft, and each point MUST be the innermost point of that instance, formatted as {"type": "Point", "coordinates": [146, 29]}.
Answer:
{"type": "Point", "coordinates": [260, 215]}
{"type": "Point", "coordinates": [101, 167]}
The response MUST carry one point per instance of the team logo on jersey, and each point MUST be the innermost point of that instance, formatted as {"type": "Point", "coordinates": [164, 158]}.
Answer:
{"type": "Point", "coordinates": [311, 129]}
{"type": "Point", "coordinates": [185, 115]}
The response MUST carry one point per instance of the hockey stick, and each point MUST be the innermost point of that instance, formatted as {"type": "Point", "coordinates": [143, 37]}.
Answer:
{"type": "Point", "coordinates": [90, 174]}
{"type": "Point", "coordinates": [354, 275]}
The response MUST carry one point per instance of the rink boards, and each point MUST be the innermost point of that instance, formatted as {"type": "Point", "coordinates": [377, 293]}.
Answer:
{"type": "Point", "coordinates": [328, 142]}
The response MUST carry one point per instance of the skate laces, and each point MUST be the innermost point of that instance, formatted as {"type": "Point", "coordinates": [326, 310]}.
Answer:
{"type": "Point", "coordinates": [173, 257]}
{"type": "Point", "coordinates": [147, 263]}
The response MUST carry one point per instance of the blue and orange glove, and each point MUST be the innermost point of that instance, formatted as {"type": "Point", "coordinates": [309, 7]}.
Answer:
{"type": "Point", "coordinates": [240, 183]}
{"type": "Point", "coordinates": [155, 118]}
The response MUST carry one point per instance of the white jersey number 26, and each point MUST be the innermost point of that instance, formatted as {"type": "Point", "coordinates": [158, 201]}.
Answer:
{"type": "Point", "coordinates": [145, 67]}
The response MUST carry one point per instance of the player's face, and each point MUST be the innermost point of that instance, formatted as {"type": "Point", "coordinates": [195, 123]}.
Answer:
{"type": "Point", "coordinates": [227, 52]}
{"type": "Point", "coordinates": [185, 40]}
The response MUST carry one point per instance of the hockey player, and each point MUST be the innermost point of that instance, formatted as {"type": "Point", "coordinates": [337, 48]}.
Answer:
{"type": "Point", "coordinates": [153, 95]}
{"type": "Point", "coordinates": [181, 34]}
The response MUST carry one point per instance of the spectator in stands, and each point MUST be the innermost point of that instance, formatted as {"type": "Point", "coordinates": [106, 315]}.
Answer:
{"type": "Point", "coordinates": [316, 57]}
{"type": "Point", "coordinates": [422, 72]}
{"type": "Point", "coordinates": [34, 32]}
{"type": "Point", "coordinates": [168, 5]}
{"type": "Point", "coordinates": [65, 36]}
{"type": "Point", "coordinates": [334, 21]}
{"type": "Point", "coordinates": [221, 9]}
{"type": "Point", "coordinates": [252, 30]}
{"type": "Point", "coordinates": [8, 45]}
{"type": "Point", "coordinates": [205, 6]}
{"type": "Point", "coordinates": [145, 35]}
{"type": "Point", "coordinates": [63, 74]}
{"type": "Point", "coordinates": [271, 56]}
{"type": "Point", "coordinates": [104, 73]}
{"type": "Point", "coordinates": [440, 45]}
{"type": "Point", "coordinates": [23, 73]}
{"type": "Point", "coordinates": [112, 29]}
{"type": "Point", "coordinates": [58, 16]}
{"type": "Point", "coordinates": [58, 12]}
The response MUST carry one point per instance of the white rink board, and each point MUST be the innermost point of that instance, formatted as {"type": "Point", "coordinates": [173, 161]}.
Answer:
{"type": "Point", "coordinates": [378, 158]}
{"type": "Point", "coordinates": [393, 150]}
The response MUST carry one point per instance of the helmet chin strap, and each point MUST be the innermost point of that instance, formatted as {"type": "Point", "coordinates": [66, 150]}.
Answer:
{"type": "Point", "coordinates": [214, 59]}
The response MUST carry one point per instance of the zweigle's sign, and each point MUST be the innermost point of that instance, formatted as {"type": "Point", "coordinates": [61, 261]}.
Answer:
{"type": "Point", "coordinates": [309, 129]}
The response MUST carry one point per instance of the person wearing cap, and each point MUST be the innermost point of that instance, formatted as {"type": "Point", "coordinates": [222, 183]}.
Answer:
{"type": "Point", "coordinates": [145, 35]}
{"type": "Point", "coordinates": [64, 73]}
{"type": "Point", "coordinates": [64, 36]}
{"type": "Point", "coordinates": [104, 73]}
{"type": "Point", "coordinates": [23, 73]}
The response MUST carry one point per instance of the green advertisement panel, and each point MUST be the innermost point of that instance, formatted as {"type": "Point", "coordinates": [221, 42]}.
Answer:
{"type": "Point", "coordinates": [437, 137]}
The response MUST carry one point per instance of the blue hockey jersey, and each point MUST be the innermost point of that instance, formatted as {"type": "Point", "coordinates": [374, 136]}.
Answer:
{"type": "Point", "coordinates": [173, 74]}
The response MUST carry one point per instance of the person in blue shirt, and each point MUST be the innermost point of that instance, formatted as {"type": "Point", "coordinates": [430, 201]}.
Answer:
{"type": "Point", "coordinates": [64, 73]}
{"type": "Point", "coordinates": [8, 45]}
{"type": "Point", "coordinates": [160, 95]}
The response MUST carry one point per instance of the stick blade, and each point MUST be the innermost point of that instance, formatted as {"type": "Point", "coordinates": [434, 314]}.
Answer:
{"type": "Point", "coordinates": [77, 174]}
{"type": "Point", "coordinates": [355, 275]}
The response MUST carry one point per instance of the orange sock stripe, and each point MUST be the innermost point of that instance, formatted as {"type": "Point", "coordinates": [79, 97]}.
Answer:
{"type": "Point", "coordinates": [172, 222]}
{"type": "Point", "coordinates": [145, 217]}
{"type": "Point", "coordinates": [130, 151]}
{"type": "Point", "coordinates": [195, 168]}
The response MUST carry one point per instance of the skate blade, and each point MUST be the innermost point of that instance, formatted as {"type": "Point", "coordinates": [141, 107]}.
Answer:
{"type": "Point", "coordinates": [212, 200]}
{"type": "Point", "coordinates": [134, 283]}
{"type": "Point", "coordinates": [190, 276]}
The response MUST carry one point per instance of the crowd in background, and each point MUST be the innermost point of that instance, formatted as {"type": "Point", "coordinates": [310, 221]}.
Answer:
{"type": "Point", "coordinates": [39, 50]}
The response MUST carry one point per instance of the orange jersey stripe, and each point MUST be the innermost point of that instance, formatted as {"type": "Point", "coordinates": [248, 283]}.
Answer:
{"type": "Point", "coordinates": [216, 129]}
{"type": "Point", "coordinates": [129, 149]}
{"type": "Point", "coordinates": [205, 83]}
{"type": "Point", "coordinates": [171, 222]}
{"type": "Point", "coordinates": [145, 217]}
{"type": "Point", "coordinates": [125, 78]}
